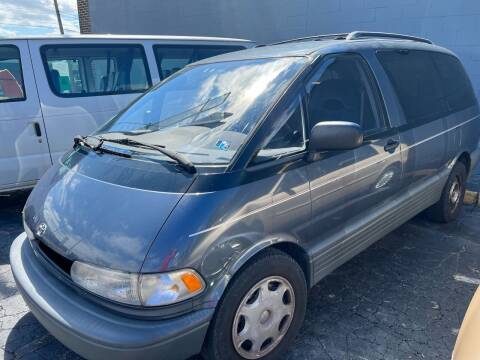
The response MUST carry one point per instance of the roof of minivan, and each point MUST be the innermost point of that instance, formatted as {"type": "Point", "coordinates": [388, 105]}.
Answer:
{"type": "Point", "coordinates": [314, 48]}
{"type": "Point", "coordinates": [126, 37]}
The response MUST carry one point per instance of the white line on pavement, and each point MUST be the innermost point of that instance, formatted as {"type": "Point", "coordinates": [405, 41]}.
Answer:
{"type": "Point", "coordinates": [466, 279]}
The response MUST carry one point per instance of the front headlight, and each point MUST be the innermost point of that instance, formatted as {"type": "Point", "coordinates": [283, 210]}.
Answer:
{"type": "Point", "coordinates": [138, 289]}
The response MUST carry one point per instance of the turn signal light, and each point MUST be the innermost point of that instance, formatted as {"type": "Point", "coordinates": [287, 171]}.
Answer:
{"type": "Point", "coordinates": [192, 282]}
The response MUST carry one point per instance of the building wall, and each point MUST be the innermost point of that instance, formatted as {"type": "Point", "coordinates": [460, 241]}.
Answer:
{"type": "Point", "coordinates": [451, 23]}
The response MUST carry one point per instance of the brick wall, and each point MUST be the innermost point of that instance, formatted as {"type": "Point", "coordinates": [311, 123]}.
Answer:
{"type": "Point", "coordinates": [84, 16]}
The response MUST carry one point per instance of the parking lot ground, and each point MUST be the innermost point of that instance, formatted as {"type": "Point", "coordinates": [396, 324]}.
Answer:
{"type": "Point", "coordinates": [403, 298]}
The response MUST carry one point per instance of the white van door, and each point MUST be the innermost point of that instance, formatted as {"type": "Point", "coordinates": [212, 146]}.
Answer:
{"type": "Point", "coordinates": [24, 152]}
{"type": "Point", "coordinates": [84, 84]}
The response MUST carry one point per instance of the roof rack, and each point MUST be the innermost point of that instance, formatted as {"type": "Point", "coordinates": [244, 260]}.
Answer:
{"type": "Point", "coordinates": [355, 35]}
{"type": "Point", "coordinates": [341, 36]}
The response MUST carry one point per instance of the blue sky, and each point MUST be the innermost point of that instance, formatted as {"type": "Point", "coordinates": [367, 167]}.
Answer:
{"type": "Point", "coordinates": [36, 17]}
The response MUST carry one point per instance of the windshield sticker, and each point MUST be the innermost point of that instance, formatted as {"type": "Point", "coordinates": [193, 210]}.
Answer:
{"type": "Point", "coordinates": [222, 145]}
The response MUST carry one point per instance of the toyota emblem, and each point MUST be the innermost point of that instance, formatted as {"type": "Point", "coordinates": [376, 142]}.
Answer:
{"type": "Point", "coordinates": [41, 229]}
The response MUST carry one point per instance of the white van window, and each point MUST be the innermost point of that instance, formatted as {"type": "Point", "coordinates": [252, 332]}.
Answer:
{"type": "Point", "coordinates": [171, 58]}
{"type": "Point", "coordinates": [88, 70]}
{"type": "Point", "coordinates": [11, 78]}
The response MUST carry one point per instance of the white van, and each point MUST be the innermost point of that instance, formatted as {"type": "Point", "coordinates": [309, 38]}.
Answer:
{"type": "Point", "coordinates": [52, 89]}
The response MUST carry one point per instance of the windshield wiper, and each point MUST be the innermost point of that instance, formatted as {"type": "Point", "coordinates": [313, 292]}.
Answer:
{"type": "Point", "coordinates": [180, 159]}
{"type": "Point", "coordinates": [95, 144]}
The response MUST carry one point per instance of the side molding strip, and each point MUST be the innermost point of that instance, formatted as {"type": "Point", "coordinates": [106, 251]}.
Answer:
{"type": "Point", "coordinates": [363, 232]}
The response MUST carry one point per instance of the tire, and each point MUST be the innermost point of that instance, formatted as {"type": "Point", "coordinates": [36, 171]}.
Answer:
{"type": "Point", "coordinates": [265, 274]}
{"type": "Point", "coordinates": [449, 206]}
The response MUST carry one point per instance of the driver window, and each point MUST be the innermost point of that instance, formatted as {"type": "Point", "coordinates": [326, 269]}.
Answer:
{"type": "Point", "coordinates": [288, 135]}
{"type": "Point", "coordinates": [342, 90]}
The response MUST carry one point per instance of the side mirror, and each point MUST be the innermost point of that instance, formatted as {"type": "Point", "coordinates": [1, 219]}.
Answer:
{"type": "Point", "coordinates": [335, 135]}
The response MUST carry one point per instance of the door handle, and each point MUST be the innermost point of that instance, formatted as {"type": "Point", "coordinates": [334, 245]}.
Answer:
{"type": "Point", "coordinates": [391, 146]}
{"type": "Point", "coordinates": [38, 130]}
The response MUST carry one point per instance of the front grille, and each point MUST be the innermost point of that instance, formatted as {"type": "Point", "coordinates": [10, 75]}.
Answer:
{"type": "Point", "coordinates": [61, 262]}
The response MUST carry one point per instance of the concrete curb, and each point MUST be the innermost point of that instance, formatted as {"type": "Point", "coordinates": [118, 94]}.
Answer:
{"type": "Point", "coordinates": [472, 198]}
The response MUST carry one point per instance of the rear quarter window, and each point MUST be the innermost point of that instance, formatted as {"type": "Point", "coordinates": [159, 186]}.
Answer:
{"type": "Point", "coordinates": [429, 85]}
{"type": "Point", "coordinates": [417, 83]}
{"type": "Point", "coordinates": [456, 84]}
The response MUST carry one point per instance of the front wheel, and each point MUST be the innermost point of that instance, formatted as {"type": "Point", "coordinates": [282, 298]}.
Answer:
{"type": "Point", "coordinates": [450, 204]}
{"type": "Point", "coordinates": [261, 310]}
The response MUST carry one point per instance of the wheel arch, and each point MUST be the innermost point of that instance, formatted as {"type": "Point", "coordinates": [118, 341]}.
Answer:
{"type": "Point", "coordinates": [288, 246]}
{"type": "Point", "coordinates": [466, 160]}
{"type": "Point", "coordinates": [299, 255]}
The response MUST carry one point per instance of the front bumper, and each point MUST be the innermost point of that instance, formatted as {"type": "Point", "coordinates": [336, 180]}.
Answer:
{"type": "Point", "coordinates": [93, 331]}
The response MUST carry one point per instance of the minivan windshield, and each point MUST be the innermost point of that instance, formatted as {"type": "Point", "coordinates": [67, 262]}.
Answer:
{"type": "Point", "coordinates": [207, 111]}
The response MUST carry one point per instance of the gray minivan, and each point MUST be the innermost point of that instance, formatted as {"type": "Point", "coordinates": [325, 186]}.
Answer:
{"type": "Point", "coordinates": [198, 218]}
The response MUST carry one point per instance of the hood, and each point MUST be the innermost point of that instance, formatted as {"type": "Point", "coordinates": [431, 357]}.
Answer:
{"type": "Point", "coordinates": [102, 209]}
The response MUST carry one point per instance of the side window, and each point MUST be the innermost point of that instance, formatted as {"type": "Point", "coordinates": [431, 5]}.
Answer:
{"type": "Point", "coordinates": [456, 85]}
{"type": "Point", "coordinates": [416, 80]}
{"type": "Point", "coordinates": [104, 72]}
{"type": "Point", "coordinates": [343, 89]}
{"type": "Point", "coordinates": [288, 135]}
{"type": "Point", "coordinates": [11, 78]}
{"type": "Point", "coordinates": [171, 58]}
{"type": "Point", "coordinates": [139, 81]}
{"type": "Point", "coordinates": [88, 70]}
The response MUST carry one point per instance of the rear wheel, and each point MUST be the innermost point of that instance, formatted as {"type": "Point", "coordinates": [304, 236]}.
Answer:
{"type": "Point", "coordinates": [450, 204]}
{"type": "Point", "coordinates": [261, 311]}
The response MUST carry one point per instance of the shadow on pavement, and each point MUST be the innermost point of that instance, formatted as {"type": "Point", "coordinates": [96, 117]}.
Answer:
{"type": "Point", "coordinates": [10, 221]}
{"type": "Point", "coordinates": [29, 339]}
{"type": "Point", "coordinates": [15, 200]}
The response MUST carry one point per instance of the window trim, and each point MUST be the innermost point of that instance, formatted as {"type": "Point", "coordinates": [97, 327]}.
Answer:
{"type": "Point", "coordinates": [24, 98]}
{"type": "Point", "coordinates": [193, 47]}
{"type": "Point", "coordinates": [378, 99]}
{"type": "Point", "coordinates": [44, 48]}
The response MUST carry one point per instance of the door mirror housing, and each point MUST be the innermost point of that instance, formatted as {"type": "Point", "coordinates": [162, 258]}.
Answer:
{"type": "Point", "coordinates": [335, 135]}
